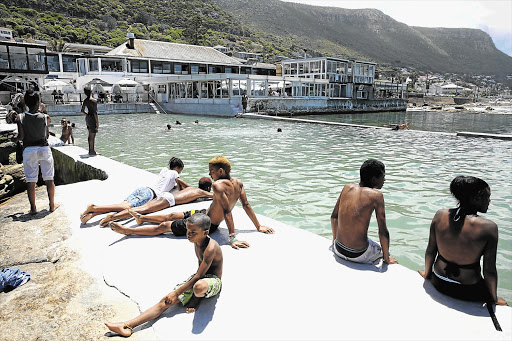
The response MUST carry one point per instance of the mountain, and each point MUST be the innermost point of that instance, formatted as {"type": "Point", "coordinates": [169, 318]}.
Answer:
{"type": "Point", "coordinates": [269, 27]}
{"type": "Point", "coordinates": [372, 35]}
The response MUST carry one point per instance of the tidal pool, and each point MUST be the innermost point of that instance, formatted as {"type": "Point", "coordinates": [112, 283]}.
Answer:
{"type": "Point", "coordinates": [296, 176]}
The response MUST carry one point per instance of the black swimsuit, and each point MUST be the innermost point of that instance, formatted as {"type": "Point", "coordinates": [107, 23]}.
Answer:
{"type": "Point", "coordinates": [468, 292]}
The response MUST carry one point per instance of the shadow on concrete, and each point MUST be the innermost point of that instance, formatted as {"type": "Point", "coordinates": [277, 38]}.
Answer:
{"type": "Point", "coordinates": [467, 307]}
{"type": "Point", "coordinates": [20, 216]}
{"type": "Point", "coordinates": [204, 314]}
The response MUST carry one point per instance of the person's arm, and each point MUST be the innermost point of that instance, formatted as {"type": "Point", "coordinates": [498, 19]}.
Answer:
{"type": "Point", "coordinates": [383, 229]}
{"type": "Point", "coordinates": [334, 218]}
{"type": "Point", "coordinates": [96, 118]}
{"type": "Point", "coordinates": [489, 265]}
{"type": "Point", "coordinates": [181, 184]}
{"type": "Point", "coordinates": [71, 135]}
{"type": "Point", "coordinates": [431, 251]}
{"type": "Point", "coordinates": [83, 107]}
{"type": "Point", "coordinates": [21, 133]}
{"type": "Point", "coordinates": [208, 256]}
{"type": "Point", "coordinates": [250, 213]}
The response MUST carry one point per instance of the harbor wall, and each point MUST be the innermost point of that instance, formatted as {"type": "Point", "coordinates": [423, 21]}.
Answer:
{"type": "Point", "coordinates": [103, 109]}
{"type": "Point", "coordinates": [297, 106]}
{"type": "Point", "coordinates": [204, 106]}
{"type": "Point", "coordinates": [70, 170]}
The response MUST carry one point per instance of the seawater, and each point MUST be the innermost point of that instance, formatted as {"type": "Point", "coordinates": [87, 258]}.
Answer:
{"type": "Point", "coordinates": [296, 176]}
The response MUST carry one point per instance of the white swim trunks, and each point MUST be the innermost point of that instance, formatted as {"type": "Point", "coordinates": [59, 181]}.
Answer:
{"type": "Point", "coordinates": [36, 156]}
{"type": "Point", "coordinates": [169, 197]}
{"type": "Point", "coordinates": [372, 253]}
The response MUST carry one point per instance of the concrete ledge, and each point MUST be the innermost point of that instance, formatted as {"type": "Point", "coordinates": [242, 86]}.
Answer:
{"type": "Point", "coordinates": [285, 286]}
{"type": "Point", "coordinates": [491, 136]}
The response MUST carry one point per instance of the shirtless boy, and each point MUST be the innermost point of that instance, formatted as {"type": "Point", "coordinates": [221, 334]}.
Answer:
{"type": "Point", "coordinates": [67, 132]}
{"type": "Point", "coordinates": [226, 192]}
{"type": "Point", "coordinates": [165, 200]}
{"type": "Point", "coordinates": [205, 283]}
{"type": "Point", "coordinates": [351, 216]}
{"type": "Point", "coordinates": [91, 118]}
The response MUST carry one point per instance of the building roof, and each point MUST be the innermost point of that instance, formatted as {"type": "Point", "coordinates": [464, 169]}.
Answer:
{"type": "Point", "coordinates": [173, 51]}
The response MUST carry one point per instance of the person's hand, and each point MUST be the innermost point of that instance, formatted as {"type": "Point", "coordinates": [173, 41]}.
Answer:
{"type": "Point", "coordinates": [391, 260]}
{"type": "Point", "coordinates": [171, 298]}
{"type": "Point", "coordinates": [239, 244]}
{"type": "Point", "coordinates": [501, 301]}
{"type": "Point", "coordinates": [266, 229]}
{"type": "Point", "coordinates": [422, 273]}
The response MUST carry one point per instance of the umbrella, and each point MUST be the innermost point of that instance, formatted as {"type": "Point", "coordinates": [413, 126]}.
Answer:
{"type": "Point", "coordinates": [55, 84]}
{"type": "Point", "coordinates": [98, 81]}
{"type": "Point", "coordinates": [125, 82]}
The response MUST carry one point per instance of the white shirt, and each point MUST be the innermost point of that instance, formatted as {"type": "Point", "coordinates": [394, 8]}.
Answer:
{"type": "Point", "coordinates": [166, 181]}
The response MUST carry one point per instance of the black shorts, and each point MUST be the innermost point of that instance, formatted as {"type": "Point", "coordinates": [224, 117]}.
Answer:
{"type": "Point", "coordinates": [179, 227]}
{"type": "Point", "coordinates": [477, 292]}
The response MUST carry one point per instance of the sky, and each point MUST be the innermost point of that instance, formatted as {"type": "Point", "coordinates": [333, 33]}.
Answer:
{"type": "Point", "coordinates": [491, 16]}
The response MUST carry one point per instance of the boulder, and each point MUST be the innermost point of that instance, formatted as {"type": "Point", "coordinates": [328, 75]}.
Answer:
{"type": "Point", "coordinates": [6, 149]}
{"type": "Point", "coordinates": [12, 180]}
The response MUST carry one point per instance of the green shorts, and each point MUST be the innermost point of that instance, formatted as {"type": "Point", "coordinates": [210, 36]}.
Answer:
{"type": "Point", "coordinates": [214, 286]}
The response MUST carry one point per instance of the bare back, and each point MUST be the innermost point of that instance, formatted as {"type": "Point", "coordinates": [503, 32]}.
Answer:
{"type": "Point", "coordinates": [190, 194]}
{"type": "Point", "coordinates": [226, 193]}
{"type": "Point", "coordinates": [464, 245]}
{"type": "Point", "coordinates": [354, 208]}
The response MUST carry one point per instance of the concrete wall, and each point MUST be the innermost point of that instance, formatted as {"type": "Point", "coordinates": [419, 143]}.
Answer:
{"type": "Point", "coordinates": [69, 170]}
{"type": "Point", "coordinates": [111, 108]}
{"type": "Point", "coordinates": [297, 106]}
{"type": "Point", "coordinates": [215, 107]}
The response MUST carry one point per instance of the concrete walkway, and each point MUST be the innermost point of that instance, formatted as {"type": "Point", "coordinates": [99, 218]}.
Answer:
{"type": "Point", "coordinates": [286, 286]}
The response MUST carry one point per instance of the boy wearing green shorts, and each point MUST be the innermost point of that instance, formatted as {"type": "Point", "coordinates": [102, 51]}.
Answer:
{"type": "Point", "coordinates": [205, 283]}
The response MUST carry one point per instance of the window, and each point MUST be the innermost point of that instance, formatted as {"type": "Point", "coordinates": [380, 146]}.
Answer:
{"type": "Point", "coordinates": [36, 59]}
{"type": "Point", "coordinates": [177, 69]}
{"type": "Point", "coordinates": [93, 64]}
{"type": "Point", "coordinates": [194, 69]}
{"type": "Point", "coordinates": [4, 57]}
{"type": "Point", "coordinates": [18, 58]}
{"type": "Point", "coordinates": [53, 63]}
{"type": "Point", "coordinates": [139, 66]}
{"type": "Point", "coordinates": [69, 64]}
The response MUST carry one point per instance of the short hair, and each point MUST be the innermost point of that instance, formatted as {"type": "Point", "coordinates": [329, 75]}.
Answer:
{"type": "Point", "coordinates": [464, 188]}
{"type": "Point", "coordinates": [201, 220]}
{"type": "Point", "coordinates": [174, 162]}
{"type": "Point", "coordinates": [87, 91]}
{"type": "Point", "coordinates": [205, 183]}
{"type": "Point", "coordinates": [221, 161]}
{"type": "Point", "coordinates": [371, 168]}
{"type": "Point", "coordinates": [31, 98]}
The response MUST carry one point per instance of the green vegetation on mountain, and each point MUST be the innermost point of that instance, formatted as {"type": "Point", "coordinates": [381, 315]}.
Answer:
{"type": "Point", "coordinates": [269, 27]}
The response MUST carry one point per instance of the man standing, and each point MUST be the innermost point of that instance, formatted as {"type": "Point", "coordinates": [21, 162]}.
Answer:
{"type": "Point", "coordinates": [33, 131]}
{"type": "Point", "coordinates": [244, 102]}
{"type": "Point", "coordinates": [351, 216]}
{"type": "Point", "coordinates": [91, 118]}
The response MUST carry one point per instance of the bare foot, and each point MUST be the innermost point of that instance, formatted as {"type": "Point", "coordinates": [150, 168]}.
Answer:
{"type": "Point", "coordinates": [193, 304]}
{"type": "Point", "coordinates": [116, 227]}
{"type": "Point", "coordinates": [119, 328]}
{"type": "Point", "coordinates": [87, 210]}
{"type": "Point", "coordinates": [32, 212]}
{"type": "Point", "coordinates": [55, 206]}
{"type": "Point", "coordinates": [85, 218]}
{"type": "Point", "coordinates": [136, 215]}
{"type": "Point", "coordinates": [106, 220]}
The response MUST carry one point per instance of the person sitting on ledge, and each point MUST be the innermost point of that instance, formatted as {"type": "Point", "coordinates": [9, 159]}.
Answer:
{"type": "Point", "coordinates": [226, 192]}
{"type": "Point", "coordinates": [459, 238]}
{"type": "Point", "coordinates": [351, 216]}
{"type": "Point", "coordinates": [205, 283]}
{"type": "Point", "coordinates": [164, 200]}
{"type": "Point", "coordinates": [165, 182]}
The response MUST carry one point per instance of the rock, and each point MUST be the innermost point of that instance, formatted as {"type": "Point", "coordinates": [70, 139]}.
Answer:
{"type": "Point", "coordinates": [6, 149]}
{"type": "Point", "coordinates": [12, 180]}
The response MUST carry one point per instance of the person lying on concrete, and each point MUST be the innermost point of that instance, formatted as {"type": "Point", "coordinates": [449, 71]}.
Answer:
{"type": "Point", "coordinates": [166, 199]}
{"type": "Point", "coordinates": [205, 283]}
{"type": "Point", "coordinates": [459, 237]}
{"type": "Point", "coordinates": [166, 181]}
{"type": "Point", "coordinates": [226, 192]}
{"type": "Point", "coordinates": [351, 216]}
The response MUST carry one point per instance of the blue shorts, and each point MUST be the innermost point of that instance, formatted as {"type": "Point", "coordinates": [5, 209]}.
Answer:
{"type": "Point", "coordinates": [140, 196]}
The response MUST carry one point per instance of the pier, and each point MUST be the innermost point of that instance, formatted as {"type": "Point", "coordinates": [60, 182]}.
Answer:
{"type": "Point", "coordinates": [285, 286]}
